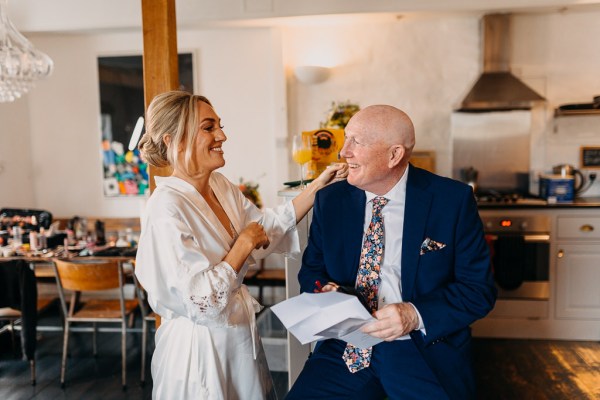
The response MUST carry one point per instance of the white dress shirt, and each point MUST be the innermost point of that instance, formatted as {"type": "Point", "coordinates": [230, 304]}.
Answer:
{"type": "Point", "coordinates": [390, 288]}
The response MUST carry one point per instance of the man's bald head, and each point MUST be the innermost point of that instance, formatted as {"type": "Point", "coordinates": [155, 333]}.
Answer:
{"type": "Point", "coordinates": [379, 143]}
{"type": "Point", "coordinates": [387, 124]}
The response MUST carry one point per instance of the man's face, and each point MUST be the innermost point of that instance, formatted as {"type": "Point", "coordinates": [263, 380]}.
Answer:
{"type": "Point", "coordinates": [367, 156]}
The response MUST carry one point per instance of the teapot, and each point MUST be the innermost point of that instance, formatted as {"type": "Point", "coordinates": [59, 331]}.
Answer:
{"type": "Point", "coordinates": [567, 170]}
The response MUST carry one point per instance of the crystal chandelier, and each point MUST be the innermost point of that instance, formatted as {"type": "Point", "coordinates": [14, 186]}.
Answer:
{"type": "Point", "coordinates": [21, 64]}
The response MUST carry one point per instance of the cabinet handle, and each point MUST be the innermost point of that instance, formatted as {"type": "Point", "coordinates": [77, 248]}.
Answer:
{"type": "Point", "coordinates": [586, 228]}
{"type": "Point", "coordinates": [561, 253]}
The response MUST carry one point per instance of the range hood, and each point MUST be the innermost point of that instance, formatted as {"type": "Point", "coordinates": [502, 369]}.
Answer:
{"type": "Point", "coordinates": [497, 89]}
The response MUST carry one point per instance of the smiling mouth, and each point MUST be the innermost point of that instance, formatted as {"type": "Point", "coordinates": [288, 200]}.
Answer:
{"type": "Point", "coordinates": [352, 166]}
{"type": "Point", "coordinates": [217, 149]}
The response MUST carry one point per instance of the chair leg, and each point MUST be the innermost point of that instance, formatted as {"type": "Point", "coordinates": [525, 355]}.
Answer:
{"type": "Point", "coordinates": [144, 346]}
{"type": "Point", "coordinates": [94, 340]}
{"type": "Point", "coordinates": [123, 355]}
{"type": "Point", "coordinates": [11, 328]}
{"type": "Point", "coordinates": [131, 320]}
{"type": "Point", "coordinates": [32, 367]}
{"type": "Point", "coordinates": [63, 365]}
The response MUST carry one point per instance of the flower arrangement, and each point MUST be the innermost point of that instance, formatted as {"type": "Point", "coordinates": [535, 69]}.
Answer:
{"type": "Point", "coordinates": [339, 114]}
{"type": "Point", "coordinates": [250, 190]}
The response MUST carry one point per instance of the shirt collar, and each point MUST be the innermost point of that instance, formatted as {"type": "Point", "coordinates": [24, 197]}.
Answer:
{"type": "Point", "coordinates": [396, 193]}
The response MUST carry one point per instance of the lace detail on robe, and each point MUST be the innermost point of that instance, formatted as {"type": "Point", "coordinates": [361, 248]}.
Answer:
{"type": "Point", "coordinates": [216, 300]}
{"type": "Point", "coordinates": [211, 293]}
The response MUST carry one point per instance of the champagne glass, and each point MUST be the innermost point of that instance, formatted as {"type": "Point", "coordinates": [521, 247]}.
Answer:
{"type": "Point", "coordinates": [301, 153]}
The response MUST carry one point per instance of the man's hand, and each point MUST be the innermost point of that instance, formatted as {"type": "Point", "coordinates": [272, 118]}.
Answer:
{"type": "Point", "coordinates": [393, 321]}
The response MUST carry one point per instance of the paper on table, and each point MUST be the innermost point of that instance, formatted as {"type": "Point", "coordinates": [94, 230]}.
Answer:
{"type": "Point", "coordinates": [330, 315]}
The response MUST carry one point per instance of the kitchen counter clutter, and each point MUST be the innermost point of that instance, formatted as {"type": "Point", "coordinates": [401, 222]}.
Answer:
{"type": "Point", "coordinates": [566, 261]}
{"type": "Point", "coordinates": [529, 203]}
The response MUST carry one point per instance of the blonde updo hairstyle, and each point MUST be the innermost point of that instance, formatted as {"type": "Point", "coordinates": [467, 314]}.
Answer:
{"type": "Point", "coordinates": [172, 113]}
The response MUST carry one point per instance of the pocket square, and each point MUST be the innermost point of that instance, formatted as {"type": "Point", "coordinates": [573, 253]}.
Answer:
{"type": "Point", "coordinates": [430, 245]}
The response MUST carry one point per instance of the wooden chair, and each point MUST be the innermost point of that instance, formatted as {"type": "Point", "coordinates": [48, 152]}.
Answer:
{"type": "Point", "coordinates": [94, 275]}
{"type": "Point", "coordinates": [20, 305]}
{"type": "Point", "coordinates": [14, 318]}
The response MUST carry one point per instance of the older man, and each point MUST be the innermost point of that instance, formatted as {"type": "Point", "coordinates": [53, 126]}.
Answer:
{"type": "Point", "coordinates": [412, 244]}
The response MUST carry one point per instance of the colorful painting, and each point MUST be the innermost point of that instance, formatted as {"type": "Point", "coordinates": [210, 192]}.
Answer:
{"type": "Point", "coordinates": [121, 83]}
{"type": "Point", "coordinates": [124, 171]}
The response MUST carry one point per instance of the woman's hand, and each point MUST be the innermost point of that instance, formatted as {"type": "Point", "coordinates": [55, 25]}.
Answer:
{"type": "Point", "coordinates": [255, 235]}
{"type": "Point", "coordinates": [304, 201]}
{"type": "Point", "coordinates": [333, 173]}
{"type": "Point", "coordinates": [252, 237]}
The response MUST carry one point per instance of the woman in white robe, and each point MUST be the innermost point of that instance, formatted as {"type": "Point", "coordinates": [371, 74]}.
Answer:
{"type": "Point", "coordinates": [198, 233]}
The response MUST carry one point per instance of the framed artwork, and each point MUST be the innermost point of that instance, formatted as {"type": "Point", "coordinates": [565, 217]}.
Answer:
{"type": "Point", "coordinates": [121, 85]}
{"type": "Point", "coordinates": [590, 157]}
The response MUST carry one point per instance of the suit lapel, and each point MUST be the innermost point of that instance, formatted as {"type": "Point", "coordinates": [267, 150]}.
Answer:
{"type": "Point", "coordinates": [353, 217]}
{"type": "Point", "coordinates": [416, 212]}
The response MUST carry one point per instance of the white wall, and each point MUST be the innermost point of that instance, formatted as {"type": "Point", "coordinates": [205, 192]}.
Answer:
{"type": "Point", "coordinates": [16, 186]}
{"type": "Point", "coordinates": [558, 55]}
{"type": "Point", "coordinates": [424, 65]}
{"type": "Point", "coordinates": [239, 70]}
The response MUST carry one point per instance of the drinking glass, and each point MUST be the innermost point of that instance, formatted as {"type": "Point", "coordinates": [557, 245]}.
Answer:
{"type": "Point", "coordinates": [301, 153]}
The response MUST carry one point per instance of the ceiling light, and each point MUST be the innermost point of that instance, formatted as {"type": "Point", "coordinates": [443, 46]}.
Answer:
{"type": "Point", "coordinates": [21, 64]}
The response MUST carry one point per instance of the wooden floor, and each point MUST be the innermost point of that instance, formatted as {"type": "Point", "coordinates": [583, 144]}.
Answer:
{"type": "Point", "coordinates": [506, 369]}
{"type": "Point", "coordinates": [537, 369]}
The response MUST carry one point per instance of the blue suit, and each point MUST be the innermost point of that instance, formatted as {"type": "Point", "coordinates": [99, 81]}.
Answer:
{"type": "Point", "coordinates": [451, 287]}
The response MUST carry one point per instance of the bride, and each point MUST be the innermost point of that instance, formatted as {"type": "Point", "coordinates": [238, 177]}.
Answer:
{"type": "Point", "coordinates": [198, 233]}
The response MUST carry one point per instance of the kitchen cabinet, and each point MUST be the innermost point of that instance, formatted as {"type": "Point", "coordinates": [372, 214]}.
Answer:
{"type": "Point", "coordinates": [578, 267]}
{"type": "Point", "coordinates": [572, 310]}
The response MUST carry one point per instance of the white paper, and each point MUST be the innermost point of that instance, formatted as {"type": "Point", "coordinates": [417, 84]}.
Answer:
{"type": "Point", "coordinates": [330, 315]}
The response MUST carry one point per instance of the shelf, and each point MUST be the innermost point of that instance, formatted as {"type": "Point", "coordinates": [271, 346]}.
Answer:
{"type": "Point", "coordinates": [569, 113]}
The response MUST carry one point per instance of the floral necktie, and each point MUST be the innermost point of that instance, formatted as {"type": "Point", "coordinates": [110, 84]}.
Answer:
{"type": "Point", "coordinates": [367, 280]}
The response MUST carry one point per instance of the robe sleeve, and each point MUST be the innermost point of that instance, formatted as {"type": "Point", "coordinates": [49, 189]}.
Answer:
{"type": "Point", "coordinates": [175, 269]}
{"type": "Point", "coordinates": [279, 224]}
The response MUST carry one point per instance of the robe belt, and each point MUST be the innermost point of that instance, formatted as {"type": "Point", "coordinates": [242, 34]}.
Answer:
{"type": "Point", "coordinates": [252, 307]}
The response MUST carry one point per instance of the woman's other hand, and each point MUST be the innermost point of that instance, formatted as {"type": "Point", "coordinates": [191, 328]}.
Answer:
{"type": "Point", "coordinates": [252, 237]}
{"type": "Point", "coordinates": [255, 234]}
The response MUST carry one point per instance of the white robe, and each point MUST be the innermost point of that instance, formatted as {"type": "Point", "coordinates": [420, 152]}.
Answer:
{"type": "Point", "coordinates": [207, 346]}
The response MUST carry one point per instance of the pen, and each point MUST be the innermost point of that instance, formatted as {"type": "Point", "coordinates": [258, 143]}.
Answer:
{"type": "Point", "coordinates": [319, 286]}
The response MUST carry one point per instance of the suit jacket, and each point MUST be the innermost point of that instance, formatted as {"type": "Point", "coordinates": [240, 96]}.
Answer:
{"type": "Point", "coordinates": [451, 287]}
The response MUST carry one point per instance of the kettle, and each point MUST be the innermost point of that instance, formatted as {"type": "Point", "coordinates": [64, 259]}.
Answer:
{"type": "Point", "coordinates": [567, 170]}
{"type": "Point", "coordinates": [469, 176]}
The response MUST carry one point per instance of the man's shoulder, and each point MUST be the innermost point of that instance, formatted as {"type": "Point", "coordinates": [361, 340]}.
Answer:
{"type": "Point", "coordinates": [433, 182]}
{"type": "Point", "coordinates": [336, 190]}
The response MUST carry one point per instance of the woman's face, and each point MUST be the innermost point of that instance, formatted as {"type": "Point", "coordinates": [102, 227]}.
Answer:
{"type": "Point", "coordinates": [207, 154]}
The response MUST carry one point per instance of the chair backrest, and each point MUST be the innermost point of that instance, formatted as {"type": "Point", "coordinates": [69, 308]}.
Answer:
{"type": "Point", "coordinates": [82, 275]}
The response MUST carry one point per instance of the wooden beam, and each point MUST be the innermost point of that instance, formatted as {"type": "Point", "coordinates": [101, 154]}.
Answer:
{"type": "Point", "coordinates": [161, 74]}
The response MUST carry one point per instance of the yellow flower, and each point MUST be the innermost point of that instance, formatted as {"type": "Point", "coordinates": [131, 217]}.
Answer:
{"type": "Point", "coordinates": [339, 115]}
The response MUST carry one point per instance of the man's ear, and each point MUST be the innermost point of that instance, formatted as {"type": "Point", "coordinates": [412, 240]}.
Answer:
{"type": "Point", "coordinates": [397, 153]}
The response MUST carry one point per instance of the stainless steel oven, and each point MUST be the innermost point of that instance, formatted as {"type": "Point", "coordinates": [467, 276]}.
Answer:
{"type": "Point", "coordinates": [520, 252]}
